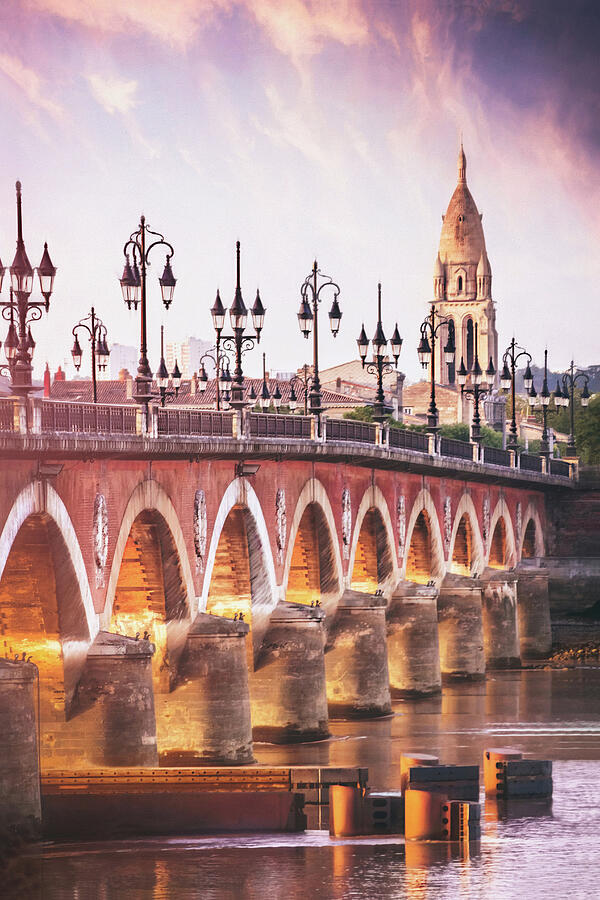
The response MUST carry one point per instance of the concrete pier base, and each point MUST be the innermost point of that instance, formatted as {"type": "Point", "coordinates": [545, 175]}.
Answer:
{"type": "Point", "coordinates": [209, 716]}
{"type": "Point", "coordinates": [288, 686]}
{"type": "Point", "coordinates": [533, 608]}
{"type": "Point", "coordinates": [116, 696]}
{"type": "Point", "coordinates": [412, 634]}
{"type": "Point", "coordinates": [460, 628]}
{"type": "Point", "coordinates": [20, 804]}
{"type": "Point", "coordinates": [356, 662]}
{"type": "Point", "coordinates": [500, 627]}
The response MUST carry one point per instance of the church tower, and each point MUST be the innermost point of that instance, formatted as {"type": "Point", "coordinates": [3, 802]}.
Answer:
{"type": "Point", "coordinates": [462, 283]}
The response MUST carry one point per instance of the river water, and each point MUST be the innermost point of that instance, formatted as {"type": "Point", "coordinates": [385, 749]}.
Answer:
{"type": "Point", "coordinates": [546, 852]}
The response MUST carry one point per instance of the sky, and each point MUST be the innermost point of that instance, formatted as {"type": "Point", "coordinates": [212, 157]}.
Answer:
{"type": "Point", "coordinates": [305, 128]}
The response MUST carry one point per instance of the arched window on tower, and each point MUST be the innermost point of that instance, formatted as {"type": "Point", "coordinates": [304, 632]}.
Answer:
{"type": "Point", "coordinates": [459, 284]}
{"type": "Point", "coordinates": [451, 339]}
{"type": "Point", "coordinates": [469, 343]}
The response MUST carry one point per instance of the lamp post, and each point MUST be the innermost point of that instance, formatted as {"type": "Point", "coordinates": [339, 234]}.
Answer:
{"type": "Point", "coordinates": [238, 343]}
{"type": "Point", "coordinates": [512, 355]}
{"type": "Point", "coordinates": [162, 373]}
{"type": "Point", "coordinates": [19, 344]}
{"type": "Point", "coordinates": [310, 294]}
{"type": "Point", "coordinates": [426, 352]}
{"type": "Point", "coordinates": [218, 358]}
{"type": "Point", "coordinates": [566, 397]}
{"type": "Point", "coordinates": [96, 330]}
{"type": "Point", "coordinates": [304, 381]}
{"type": "Point", "coordinates": [380, 365]}
{"type": "Point", "coordinates": [133, 286]}
{"type": "Point", "coordinates": [542, 400]}
{"type": "Point", "coordinates": [266, 398]}
{"type": "Point", "coordinates": [480, 386]}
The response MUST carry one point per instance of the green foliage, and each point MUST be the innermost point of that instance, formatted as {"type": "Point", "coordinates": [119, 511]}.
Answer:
{"type": "Point", "coordinates": [360, 414]}
{"type": "Point", "coordinates": [456, 432]}
{"type": "Point", "coordinates": [587, 433]}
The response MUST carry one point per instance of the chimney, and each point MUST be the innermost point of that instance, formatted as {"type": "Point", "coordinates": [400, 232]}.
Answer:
{"type": "Point", "coordinates": [193, 385]}
{"type": "Point", "coordinates": [123, 374]}
{"type": "Point", "coordinates": [47, 381]}
{"type": "Point", "coordinates": [128, 386]}
{"type": "Point", "coordinates": [59, 375]}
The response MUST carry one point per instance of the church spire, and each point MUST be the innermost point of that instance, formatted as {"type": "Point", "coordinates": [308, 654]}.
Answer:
{"type": "Point", "coordinates": [462, 165]}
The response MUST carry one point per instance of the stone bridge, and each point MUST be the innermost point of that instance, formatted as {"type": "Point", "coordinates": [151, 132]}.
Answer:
{"type": "Point", "coordinates": [182, 593]}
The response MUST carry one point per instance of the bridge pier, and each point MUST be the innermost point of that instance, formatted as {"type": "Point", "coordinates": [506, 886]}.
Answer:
{"type": "Point", "coordinates": [500, 628]}
{"type": "Point", "coordinates": [460, 628]}
{"type": "Point", "coordinates": [288, 685]}
{"type": "Point", "coordinates": [116, 698]}
{"type": "Point", "coordinates": [20, 803]}
{"type": "Point", "coordinates": [534, 609]}
{"type": "Point", "coordinates": [356, 663]}
{"type": "Point", "coordinates": [412, 634]}
{"type": "Point", "coordinates": [209, 710]}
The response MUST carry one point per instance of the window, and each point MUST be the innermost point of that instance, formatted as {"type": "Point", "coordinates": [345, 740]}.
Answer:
{"type": "Point", "coordinates": [451, 339]}
{"type": "Point", "coordinates": [459, 284]}
{"type": "Point", "coordinates": [469, 343]}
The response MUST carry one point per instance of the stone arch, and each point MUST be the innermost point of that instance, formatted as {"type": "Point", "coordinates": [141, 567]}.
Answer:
{"type": "Point", "coordinates": [313, 498]}
{"type": "Point", "coordinates": [466, 529]}
{"type": "Point", "coordinates": [380, 561]}
{"type": "Point", "coordinates": [150, 496]}
{"type": "Point", "coordinates": [241, 506]}
{"type": "Point", "coordinates": [532, 536]}
{"type": "Point", "coordinates": [507, 534]}
{"type": "Point", "coordinates": [47, 609]}
{"type": "Point", "coordinates": [424, 516]}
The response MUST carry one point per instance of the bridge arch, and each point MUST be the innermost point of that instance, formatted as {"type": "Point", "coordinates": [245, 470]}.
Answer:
{"type": "Point", "coordinates": [314, 502]}
{"type": "Point", "coordinates": [240, 511]}
{"type": "Point", "coordinates": [424, 555]}
{"type": "Point", "coordinates": [47, 609]}
{"type": "Point", "coordinates": [501, 553]}
{"type": "Point", "coordinates": [373, 541]}
{"type": "Point", "coordinates": [150, 496]}
{"type": "Point", "coordinates": [466, 554]}
{"type": "Point", "coordinates": [532, 536]}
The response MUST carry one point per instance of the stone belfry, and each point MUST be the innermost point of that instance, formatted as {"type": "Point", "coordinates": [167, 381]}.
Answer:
{"type": "Point", "coordinates": [462, 282]}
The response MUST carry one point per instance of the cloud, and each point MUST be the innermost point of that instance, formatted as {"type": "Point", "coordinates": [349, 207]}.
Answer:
{"type": "Point", "coordinates": [115, 95]}
{"type": "Point", "coordinates": [31, 84]}
{"type": "Point", "coordinates": [175, 22]}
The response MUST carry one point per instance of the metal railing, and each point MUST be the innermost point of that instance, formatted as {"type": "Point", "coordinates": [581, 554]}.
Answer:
{"type": "Point", "coordinates": [59, 417]}
{"type": "Point", "coordinates": [530, 463]}
{"type": "Point", "coordinates": [496, 457]}
{"type": "Point", "coordinates": [88, 418]}
{"type": "Point", "coordinates": [200, 422]}
{"type": "Point", "coordinates": [273, 425]}
{"type": "Point", "coordinates": [560, 467]}
{"type": "Point", "coordinates": [7, 415]}
{"type": "Point", "coordinates": [347, 430]}
{"type": "Point", "coordinates": [409, 440]}
{"type": "Point", "coordinates": [452, 447]}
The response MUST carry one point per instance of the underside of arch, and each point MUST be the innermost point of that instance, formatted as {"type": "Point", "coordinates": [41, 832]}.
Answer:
{"type": "Point", "coordinates": [498, 546]}
{"type": "Point", "coordinates": [462, 554]}
{"type": "Point", "coordinates": [419, 564]}
{"type": "Point", "coordinates": [373, 562]}
{"type": "Point", "coordinates": [313, 571]}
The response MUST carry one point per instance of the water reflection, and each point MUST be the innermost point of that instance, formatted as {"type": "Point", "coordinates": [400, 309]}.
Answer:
{"type": "Point", "coordinates": [528, 852]}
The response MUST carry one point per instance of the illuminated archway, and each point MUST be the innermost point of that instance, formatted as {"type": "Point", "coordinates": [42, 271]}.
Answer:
{"type": "Point", "coordinates": [313, 566]}
{"type": "Point", "coordinates": [373, 563]}
{"type": "Point", "coordinates": [532, 541]}
{"type": "Point", "coordinates": [502, 548]}
{"type": "Point", "coordinates": [466, 547]}
{"type": "Point", "coordinates": [424, 556]}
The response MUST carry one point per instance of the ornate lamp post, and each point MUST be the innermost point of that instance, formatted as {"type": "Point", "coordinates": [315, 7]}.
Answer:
{"type": "Point", "coordinates": [542, 400]}
{"type": "Point", "coordinates": [426, 352]}
{"type": "Point", "coordinates": [133, 286]}
{"type": "Point", "coordinates": [162, 373]}
{"type": "Point", "coordinates": [20, 310]}
{"type": "Point", "coordinates": [96, 331]}
{"type": "Point", "coordinates": [238, 343]}
{"type": "Point", "coordinates": [310, 293]}
{"type": "Point", "coordinates": [512, 355]}
{"type": "Point", "coordinates": [480, 386]}
{"type": "Point", "coordinates": [304, 381]}
{"type": "Point", "coordinates": [566, 397]}
{"type": "Point", "coordinates": [380, 365]}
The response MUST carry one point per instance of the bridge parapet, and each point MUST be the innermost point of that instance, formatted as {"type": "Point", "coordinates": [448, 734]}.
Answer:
{"type": "Point", "coordinates": [56, 423]}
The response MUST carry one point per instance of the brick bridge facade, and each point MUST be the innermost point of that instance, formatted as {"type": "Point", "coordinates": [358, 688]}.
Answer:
{"type": "Point", "coordinates": [126, 560]}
